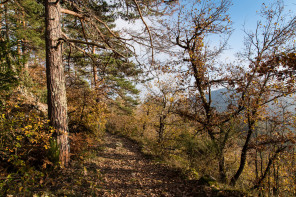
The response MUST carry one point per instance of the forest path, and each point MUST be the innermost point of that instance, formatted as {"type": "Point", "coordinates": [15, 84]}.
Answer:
{"type": "Point", "coordinates": [126, 172]}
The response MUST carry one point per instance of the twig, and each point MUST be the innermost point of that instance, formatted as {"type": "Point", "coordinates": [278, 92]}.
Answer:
{"type": "Point", "coordinates": [148, 29]}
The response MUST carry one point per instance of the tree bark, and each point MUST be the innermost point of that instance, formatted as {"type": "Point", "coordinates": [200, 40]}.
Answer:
{"type": "Point", "coordinates": [95, 75]}
{"type": "Point", "coordinates": [222, 171]}
{"type": "Point", "coordinates": [24, 50]}
{"type": "Point", "coordinates": [161, 128]}
{"type": "Point", "coordinates": [57, 101]}
{"type": "Point", "coordinates": [243, 156]}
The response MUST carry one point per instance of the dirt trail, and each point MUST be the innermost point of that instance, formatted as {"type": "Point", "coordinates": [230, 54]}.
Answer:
{"type": "Point", "coordinates": [126, 172]}
{"type": "Point", "coordinates": [118, 168]}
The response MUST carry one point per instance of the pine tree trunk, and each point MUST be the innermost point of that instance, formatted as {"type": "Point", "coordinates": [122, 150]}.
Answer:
{"type": "Point", "coordinates": [57, 102]}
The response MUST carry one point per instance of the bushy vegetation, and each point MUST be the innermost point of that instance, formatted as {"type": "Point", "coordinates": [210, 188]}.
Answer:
{"type": "Point", "coordinates": [29, 150]}
{"type": "Point", "coordinates": [196, 155]}
{"type": "Point", "coordinates": [25, 144]}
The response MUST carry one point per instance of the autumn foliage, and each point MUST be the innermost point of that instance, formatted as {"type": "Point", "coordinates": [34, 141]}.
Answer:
{"type": "Point", "coordinates": [225, 124]}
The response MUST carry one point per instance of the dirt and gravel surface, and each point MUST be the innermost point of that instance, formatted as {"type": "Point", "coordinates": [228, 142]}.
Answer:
{"type": "Point", "coordinates": [118, 168]}
{"type": "Point", "coordinates": [127, 172]}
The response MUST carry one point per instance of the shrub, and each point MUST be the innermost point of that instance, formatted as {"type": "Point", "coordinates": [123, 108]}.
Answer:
{"type": "Point", "coordinates": [24, 143]}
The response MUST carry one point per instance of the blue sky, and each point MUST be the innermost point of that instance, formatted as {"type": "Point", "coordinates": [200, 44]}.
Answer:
{"type": "Point", "coordinates": [244, 12]}
{"type": "Point", "coordinates": [241, 12]}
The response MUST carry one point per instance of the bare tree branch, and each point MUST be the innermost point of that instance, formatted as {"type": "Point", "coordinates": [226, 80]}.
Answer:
{"type": "Point", "coordinates": [82, 42]}
{"type": "Point", "coordinates": [148, 29]}
{"type": "Point", "coordinates": [65, 11]}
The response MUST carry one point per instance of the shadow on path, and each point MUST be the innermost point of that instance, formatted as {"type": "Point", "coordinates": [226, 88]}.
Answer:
{"type": "Point", "coordinates": [127, 172]}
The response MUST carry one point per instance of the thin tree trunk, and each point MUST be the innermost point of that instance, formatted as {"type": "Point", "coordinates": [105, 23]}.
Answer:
{"type": "Point", "coordinates": [161, 128]}
{"type": "Point", "coordinates": [24, 50]}
{"type": "Point", "coordinates": [145, 124]}
{"type": "Point", "coordinates": [220, 148]}
{"type": "Point", "coordinates": [19, 52]}
{"type": "Point", "coordinates": [6, 23]}
{"type": "Point", "coordinates": [243, 156]}
{"type": "Point", "coordinates": [57, 101]}
{"type": "Point", "coordinates": [1, 38]}
{"type": "Point", "coordinates": [266, 171]}
{"type": "Point", "coordinates": [8, 62]}
{"type": "Point", "coordinates": [222, 172]}
{"type": "Point", "coordinates": [95, 70]}
{"type": "Point", "coordinates": [1, 8]}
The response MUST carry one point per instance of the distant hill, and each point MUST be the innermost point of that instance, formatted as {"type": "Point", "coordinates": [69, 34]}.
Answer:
{"type": "Point", "coordinates": [221, 99]}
